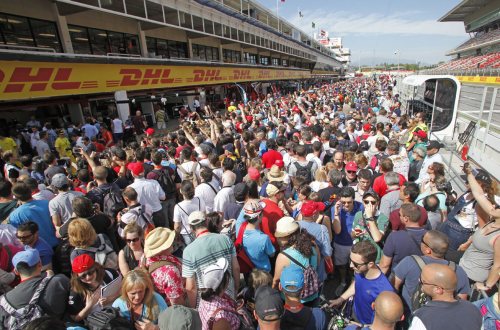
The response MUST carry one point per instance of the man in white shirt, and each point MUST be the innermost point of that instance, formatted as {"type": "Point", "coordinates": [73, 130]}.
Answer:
{"type": "Point", "coordinates": [207, 190]}
{"type": "Point", "coordinates": [34, 136]}
{"type": "Point", "coordinates": [90, 130]}
{"type": "Point", "coordinates": [296, 118]}
{"type": "Point", "coordinates": [149, 193]}
{"type": "Point", "coordinates": [314, 156]}
{"type": "Point", "coordinates": [205, 151]}
{"type": "Point", "coordinates": [33, 122]}
{"type": "Point", "coordinates": [187, 165]}
{"type": "Point", "coordinates": [117, 130]}
{"type": "Point", "coordinates": [226, 194]}
{"type": "Point", "coordinates": [433, 156]}
{"type": "Point", "coordinates": [182, 210]}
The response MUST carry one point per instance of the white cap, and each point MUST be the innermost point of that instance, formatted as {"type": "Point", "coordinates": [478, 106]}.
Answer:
{"type": "Point", "coordinates": [213, 275]}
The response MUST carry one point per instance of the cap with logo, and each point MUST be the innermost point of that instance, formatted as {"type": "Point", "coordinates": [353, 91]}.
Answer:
{"type": "Point", "coordinates": [421, 134]}
{"type": "Point", "coordinates": [351, 166]}
{"type": "Point", "coordinates": [433, 145]}
{"type": "Point", "coordinates": [196, 218]}
{"type": "Point", "coordinates": [310, 208]}
{"type": "Point", "coordinates": [269, 306]}
{"type": "Point", "coordinates": [275, 187]}
{"type": "Point", "coordinates": [292, 278]}
{"type": "Point", "coordinates": [213, 275]}
{"type": "Point", "coordinates": [371, 192]}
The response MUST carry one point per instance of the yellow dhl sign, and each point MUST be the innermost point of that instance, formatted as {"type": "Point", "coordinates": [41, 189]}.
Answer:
{"type": "Point", "coordinates": [466, 79]}
{"type": "Point", "coordinates": [20, 80]}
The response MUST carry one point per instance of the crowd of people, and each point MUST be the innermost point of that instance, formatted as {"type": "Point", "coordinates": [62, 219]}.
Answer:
{"type": "Point", "coordinates": [260, 216]}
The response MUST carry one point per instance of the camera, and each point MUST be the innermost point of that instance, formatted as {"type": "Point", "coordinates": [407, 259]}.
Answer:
{"type": "Point", "coordinates": [77, 150]}
{"type": "Point", "coordinates": [237, 136]}
{"type": "Point", "coordinates": [208, 117]}
{"type": "Point", "coordinates": [446, 187]}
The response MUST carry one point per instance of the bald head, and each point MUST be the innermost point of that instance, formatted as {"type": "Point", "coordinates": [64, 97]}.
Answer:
{"type": "Point", "coordinates": [388, 308]}
{"type": "Point", "coordinates": [22, 177]}
{"type": "Point", "coordinates": [440, 275]}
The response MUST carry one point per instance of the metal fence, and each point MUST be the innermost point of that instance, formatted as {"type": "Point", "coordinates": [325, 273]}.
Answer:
{"type": "Point", "coordinates": [483, 72]}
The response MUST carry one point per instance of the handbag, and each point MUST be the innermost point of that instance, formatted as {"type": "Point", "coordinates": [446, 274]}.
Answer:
{"type": "Point", "coordinates": [246, 265]}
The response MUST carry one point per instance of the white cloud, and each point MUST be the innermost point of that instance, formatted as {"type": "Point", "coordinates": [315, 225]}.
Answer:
{"type": "Point", "coordinates": [405, 23]}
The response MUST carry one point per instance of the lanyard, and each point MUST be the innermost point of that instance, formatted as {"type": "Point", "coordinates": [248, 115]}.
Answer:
{"type": "Point", "coordinates": [292, 308]}
{"type": "Point", "coordinates": [203, 232]}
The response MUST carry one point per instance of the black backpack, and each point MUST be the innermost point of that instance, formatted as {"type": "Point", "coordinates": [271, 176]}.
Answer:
{"type": "Point", "coordinates": [241, 166]}
{"type": "Point", "coordinates": [305, 171]}
{"type": "Point", "coordinates": [166, 182]}
{"type": "Point", "coordinates": [289, 323]}
{"type": "Point", "coordinates": [344, 145]}
{"type": "Point", "coordinates": [62, 257]}
{"type": "Point", "coordinates": [419, 298]}
{"type": "Point", "coordinates": [108, 318]}
{"type": "Point", "coordinates": [112, 201]}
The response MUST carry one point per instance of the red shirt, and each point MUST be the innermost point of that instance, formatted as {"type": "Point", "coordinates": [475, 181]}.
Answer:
{"type": "Point", "coordinates": [100, 148]}
{"type": "Point", "coordinates": [108, 137]}
{"type": "Point", "coordinates": [395, 219]}
{"type": "Point", "coordinates": [380, 186]}
{"type": "Point", "coordinates": [270, 157]}
{"type": "Point", "coordinates": [179, 149]}
{"type": "Point", "coordinates": [272, 213]}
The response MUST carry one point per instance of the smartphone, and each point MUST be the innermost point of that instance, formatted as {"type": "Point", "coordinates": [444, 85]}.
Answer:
{"type": "Point", "coordinates": [358, 230]}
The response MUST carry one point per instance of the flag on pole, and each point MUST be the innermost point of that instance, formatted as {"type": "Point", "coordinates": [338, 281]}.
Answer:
{"type": "Point", "coordinates": [300, 14]}
{"type": "Point", "coordinates": [313, 25]}
{"type": "Point", "coordinates": [282, 0]}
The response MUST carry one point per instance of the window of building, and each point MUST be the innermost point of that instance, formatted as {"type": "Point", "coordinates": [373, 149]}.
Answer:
{"type": "Point", "coordinates": [229, 55]}
{"type": "Point", "coordinates": [264, 60]}
{"type": "Point", "coordinates": [218, 29]}
{"type": "Point", "coordinates": [79, 39]}
{"type": "Point", "coordinates": [22, 31]}
{"type": "Point", "coordinates": [171, 16]}
{"type": "Point", "coordinates": [209, 27]}
{"type": "Point", "coordinates": [198, 23]}
{"type": "Point", "coordinates": [102, 42]}
{"type": "Point", "coordinates": [250, 58]}
{"type": "Point", "coordinates": [99, 42]}
{"type": "Point", "coordinates": [185, 20]}
{"type": "Point", "coordinates": [276, 61]}
{"type": "Point", "coordinates": [135, 8]}
{"type": "Point", "coordinates": [154, 11]}
{"type": "Point", "coordinates": [205, 53]}
{"type": "Point", "coordinates": [285, 62]}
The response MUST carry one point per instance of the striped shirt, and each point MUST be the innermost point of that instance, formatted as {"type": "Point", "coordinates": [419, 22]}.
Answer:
{"type": "Point", "coordinates": [160, 116]}
{"type": "Point", "coordinates": [204, 252]}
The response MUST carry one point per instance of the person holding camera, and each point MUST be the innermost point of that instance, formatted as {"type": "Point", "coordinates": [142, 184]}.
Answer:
{"type": "Point", "coordinates": [438, 187]}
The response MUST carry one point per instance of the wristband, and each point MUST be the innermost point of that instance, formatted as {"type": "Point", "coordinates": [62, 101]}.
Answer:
{"type": "Point", "coordinates": [487, 286]}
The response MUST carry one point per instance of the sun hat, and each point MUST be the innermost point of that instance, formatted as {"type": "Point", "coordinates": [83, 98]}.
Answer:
{"type": "Point", "coordinates": [275, 174]}
{"type": "Point", "coordinates": [158, 240]}
{"type": "Point", "coordinates": [286, 226]}
{"type": "Point", "coordinates": [213, 275]}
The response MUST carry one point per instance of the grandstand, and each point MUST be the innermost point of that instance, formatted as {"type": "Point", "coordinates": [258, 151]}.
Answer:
{"type": "Point", "coordinates": [481, 20]}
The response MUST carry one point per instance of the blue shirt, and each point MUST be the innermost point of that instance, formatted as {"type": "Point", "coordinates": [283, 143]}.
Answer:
{"type": "Point", "coordinates": [122, 306]}
{"type": "Point", "coordinates": [90, 130]}
{"type": "Point", "coordinates": [44, 249]}
{"type": "Point", "coordinates": [367, 291]}
{"type": "Point", "coordinates": [258, 247]}
{"type": "Point", "coordinates": [239, 221]}
{"type": "Point", "coordinates": [263, 192]}
{"type": "Point", "coordinates": [355, 327]}
{"type": "Point", "coordinates": [346, 221]}
{"type": "Point", "coordinates": [263, 147]}
{"type": "Point", "coordinates": [322, 238]}
{"type": "Point", "coordinates": [37, 211]}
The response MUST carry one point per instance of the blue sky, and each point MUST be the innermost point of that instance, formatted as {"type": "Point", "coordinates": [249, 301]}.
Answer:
{"type": "Point", "coordinates": [386, 26]}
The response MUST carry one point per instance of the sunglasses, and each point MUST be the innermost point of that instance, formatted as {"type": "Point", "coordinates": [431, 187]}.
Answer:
{"type": "Point", "coordinates": [83, 276]}
{"type": "Point", "coordinates": [425, 283]}
{"type": "Point", "coordinates": [133, 240]}
{"type": "Point", "coordinates": [22, 238]}
{"type": "Point", "coordinates": [368, 202]}
{"type": "Point", "coordinates": [426, 244]}
{"type": "Point", "coordinates": [351, 172]}
{"type": "Point", "coordinates": [347, 202]}
{"type": "Point", "coordinates": [356, 265]}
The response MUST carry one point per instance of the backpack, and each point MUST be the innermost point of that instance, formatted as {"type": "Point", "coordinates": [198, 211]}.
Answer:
{"type": "Point", "coordinates": [241, 166]}
{"type": "Point", "coordinates": [289, 323]}
{"type": "Point", "coordinates": [166, 182]}
{"type": "Point", "coordinates": [112, 201]}
{"type": "Point", "coordinates": [62, 257]}
{"type": "Point", "coordinates": [106, 319]}
{"type": "Point", "coordinates": [419, 298]}
{"type": "Point", "coordinates": [104, 254]}
{"type": "Point", "coordinates": [344, 145]}
{"type": "Point", "coordinates": [246, 321]}
{"type": "Point", "coordinates": [191, 175]}
{"type": "Point", "coordinates": [305, 171]}
{"type": "Point", "coordinates": [142, 219]}
{"type": "Point", "coordinates": [311, 279]}
{"type": "Point", "coordinates": [380, 156]}
{"type": "Point", "coordinates": [246, 265]}
{"type": "Point", "coordinates": [18, 318]}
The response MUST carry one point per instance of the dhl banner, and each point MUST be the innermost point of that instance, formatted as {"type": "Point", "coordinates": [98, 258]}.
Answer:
{"type": "Point", "coordinates": [333, 73]}
{"type": "Point", "coordinates": [466, 79]}
{"type": "Point", "coordinates": [19, 80]}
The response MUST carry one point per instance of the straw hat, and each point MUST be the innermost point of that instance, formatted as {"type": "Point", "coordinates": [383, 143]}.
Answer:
{"type": "Point", "coordinates": [275, 174]}
{"type": "Point", "coordinates": [158, 240]}
{"type": "Point", "coordinates": [285, 227]}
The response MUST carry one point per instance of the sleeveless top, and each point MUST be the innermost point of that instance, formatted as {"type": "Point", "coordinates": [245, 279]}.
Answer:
{"type": "Point", "coordinates": [130, 258]}
{"type": "Point", "coordinates": [478, 258]}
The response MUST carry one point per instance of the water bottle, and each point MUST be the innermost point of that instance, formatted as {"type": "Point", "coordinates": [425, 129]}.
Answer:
{"type": "Point", "coordinates": [340, 323]}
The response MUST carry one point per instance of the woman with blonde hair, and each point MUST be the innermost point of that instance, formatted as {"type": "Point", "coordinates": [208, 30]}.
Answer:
{"type": "Point", "coordinates": [348, 156]}
{"type": "Point", "coordinates": [83, 237]}
{"type": "Point", "coordinates": [131, 254]}
{"type": "Point", "coordinates": [87, 278]}
{"type": "Point", "coordinates": [319, 179]}
{"type": "Point", "coordinates": [139, 302]}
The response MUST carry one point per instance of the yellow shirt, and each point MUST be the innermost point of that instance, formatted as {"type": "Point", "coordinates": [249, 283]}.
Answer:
{"type": "Point", "coordinates": [232, 108]}
{"type": "Point", "coordinates": [8, 144]}
{"type": "Point", "coordinates": [63, 144]}
{"type": "Point", "coordinates": [423, 127]}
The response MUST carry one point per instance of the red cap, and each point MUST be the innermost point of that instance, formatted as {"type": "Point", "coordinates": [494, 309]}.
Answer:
{"type": "Point", "coordinates": [279, 163]}
{"type": "Point", "coordinates": [421, 134]}
{"type": "Point", "coordinates": [310, 208]}
{"type": "Point", "coordinates": [150, 131]}
{"type": "Point", "coordinates": [136, 168]}
{"type": "Point", "coordinates": [351, 166]}
{"type": "Point", "coordinates": [367, 127]}
{"type": "Point", "coordinates": [296, 109]}
{"type": "Point", "coordinates": [253, 173]}
{"type": "Point", "coordinates": [82, 263]}
{"type": "Point", "coordinates": [249, 118]}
